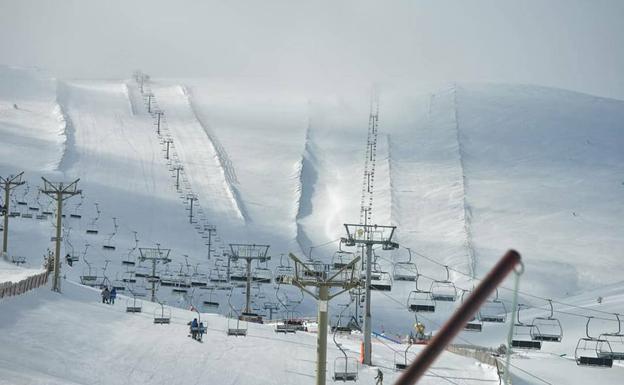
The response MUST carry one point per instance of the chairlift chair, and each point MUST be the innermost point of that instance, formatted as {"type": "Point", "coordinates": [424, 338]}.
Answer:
{"type": "Point", "coordinates": [614, 347]}
{"type": "Point", "coordinates": [345, 368]}
{"type": "Point", "coordinates": [341, 258]}
{"type": "Point", "coordinates": [547, 329]}
{"type": "Point", "coordinates": [592, 351]}
{"type": "Point", "coordinates": [211, 303]}
{"type": "Point", "coordinates": [475, 324]}
{"type": "Point", "coordinates": [162, 315]}
{"type": "Point", "coordinates": [133, 305]}
{"type": "Point", "coordinates": [238, 274]}
{"type": "Point", "coordinates": [401, 361]}
{"type": "Point", "coordinates": [262, 275]}
{"type": "Point", "coordinates": [380, 281]}
{"type": "Point", "coordinates": [493, 311]}
{"type": "Point", "coordinates": [444, 290]}
{"type": "Point", "coordinates": [420, 301]}
{"type": "Point", "coordinates": [405, 270]}
{"type": "Point", "coordinates": [522, 338]}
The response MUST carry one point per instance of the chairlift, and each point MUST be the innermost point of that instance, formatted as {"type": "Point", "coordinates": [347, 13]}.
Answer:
{"type": "Point", "coordinates": [380, 280]}
{"type": "Point", "coordinates": [218, 275]}
{"type": "Point", "coordinates": [547, 329]}
{"type": "Point", "coordinates": [444, 290]}
{"type": "Point", "coordinates": [341, 258]}
{"type": "Point", "coordinates": [614, 347]}
{"type": "Point", "coordinates": [162, 315]}
{"type": "Point", "coordinates": [235, 327]}
{"type": "Point", "coordinates": [522, 338]}
{"type": "Point", "coordinates": [493, 311]}
{"type": "Point", "coordinates": [344, 327]}
{"type": "Point", "coordinates": [345, 368]}
{"type": "Point", "coordinates": [27, 215]}
{"type": "Point", "coordinates": [405, 270]}
{"type": "Point", "coordinates": [211, 303]}
{"type": "Point", "coordinates": [109, 245]}
{"type": "Point", "coordinates": [401, 361]}
{"type": "Point", "coordinates": [238, 274]}
{"type": "Point", "coordinates": [592, 351]}
{"type": "Point", "coordinates": [262, 275]}
{"type": "Point", "coordinates": [474, 324]}
{"type": "Point", "coordinates": [420, 301]}
{"type": "Point", "coordinates": [133, 305]}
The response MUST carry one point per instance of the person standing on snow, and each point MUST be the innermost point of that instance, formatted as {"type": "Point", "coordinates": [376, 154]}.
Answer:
{"type": "Point", "coordinates": [194, 326]}
{"type": "Point", "coordinates": [379, 377]}
{"type": "Point", "coordinates": [105, 295]}
{"type": "Point", "coordinates": [113, 295]}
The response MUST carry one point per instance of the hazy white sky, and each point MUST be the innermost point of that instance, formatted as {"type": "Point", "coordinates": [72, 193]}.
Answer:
{"type": "Point", "coordinates": [574, 44]}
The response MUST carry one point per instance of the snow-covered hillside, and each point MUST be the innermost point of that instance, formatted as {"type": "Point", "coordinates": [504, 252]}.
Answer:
{"type": "Point", "coordinates": [75, 339]}
{"type": "Point", "coordinates": [465, 171]}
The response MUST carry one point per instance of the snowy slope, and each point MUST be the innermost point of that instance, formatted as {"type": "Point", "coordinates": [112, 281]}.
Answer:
{"type": "Point", "coordinates": [466, 171]}
{"type": "Point", "coordinates": [74, 339]}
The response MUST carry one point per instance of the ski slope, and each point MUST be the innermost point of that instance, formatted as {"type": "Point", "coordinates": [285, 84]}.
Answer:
{"type": "Point", "coordinates": [74, 339]}
{"type": "Point", "coordinates": [465, 171]}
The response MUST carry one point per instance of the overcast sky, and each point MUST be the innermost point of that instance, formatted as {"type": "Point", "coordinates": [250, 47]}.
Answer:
{"type": "Point", "coordinates": [573, 44]}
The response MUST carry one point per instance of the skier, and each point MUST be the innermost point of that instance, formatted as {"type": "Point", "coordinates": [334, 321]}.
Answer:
{"type": "Point", "coordinates": [105, 295]}
{"type": "Point", "coordinates": [194, 326]}
{"type": "Point", "coordinates": [69, 260]}
{"type": "Point", "coordinates": [379, 377]}
{"type": "Point", "coordinates": [113, 295]}
{"type": "Point", "coordinates": [200, 331]}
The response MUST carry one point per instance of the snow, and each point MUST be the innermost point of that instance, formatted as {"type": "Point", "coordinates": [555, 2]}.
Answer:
{"type": "Point", "coordinates": [13, 273]}
{"type": "Point", "coordinates": [465, 171]}
{"type": "Point", "coordinates": [105, 345]}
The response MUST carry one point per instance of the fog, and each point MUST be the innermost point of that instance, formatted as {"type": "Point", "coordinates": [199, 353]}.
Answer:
{"type": "Point", "coordinates": [571, 44]}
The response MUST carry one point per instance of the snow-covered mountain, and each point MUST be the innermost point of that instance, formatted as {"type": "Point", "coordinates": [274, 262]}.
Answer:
{"type": "Point", "coordinates": [465, 171]}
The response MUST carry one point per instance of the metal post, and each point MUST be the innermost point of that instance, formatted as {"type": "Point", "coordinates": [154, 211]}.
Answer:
{"type": "Point", "coordinates": [5, 234]}
{"type": "Point", "coordinates": [321, 341]}
{"type": "Point", "coordinates": [178, 168]}
{"type": "Point", "coordinates": [149, 103]}
{"type": "Point", "coordinates": [8, 184]}
{"type": "Point", "coordinates": [158, 114]}
{"type": "Point", "coordinates": [367, 311]}
{"type": "Point", "coordinates": [56, 283]}
{"type": "Point", "coordinates": [248, 293]}
{"type": "Point", "coordinates": [210, 230]}
{"type": "Point", "coordinates": [168, 141]}
{"type": "Point", "coordinates": [153, 280]}
{"type": "Point", "coordinates": [191, 213]}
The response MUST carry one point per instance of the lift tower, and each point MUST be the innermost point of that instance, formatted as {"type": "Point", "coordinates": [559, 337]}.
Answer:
{"type": "Point", "coordinates": [324, 278]}
{"type": "Point", "coordinates": [156, 256]}
{"type": "Point", "coordinates": [60, 192]}
{"type": "Point", "coordinates": [368, 236]}
{"type": "Point", "coordinates": [249, 253]}
{"type": "Point", "coordinates": [8, 184]}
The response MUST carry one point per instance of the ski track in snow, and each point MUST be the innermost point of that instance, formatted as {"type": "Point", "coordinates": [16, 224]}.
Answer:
{"type": "Point", "coordinates": [181, 120]}
{"type": "Point", "coordinates": [68, 157]}
{"type": "Point", "coordinates": [472, 260]}
{"type": "Point", "coordinates": [307, 176]}
{"type": "Point", "coordinates": [227, 167]}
